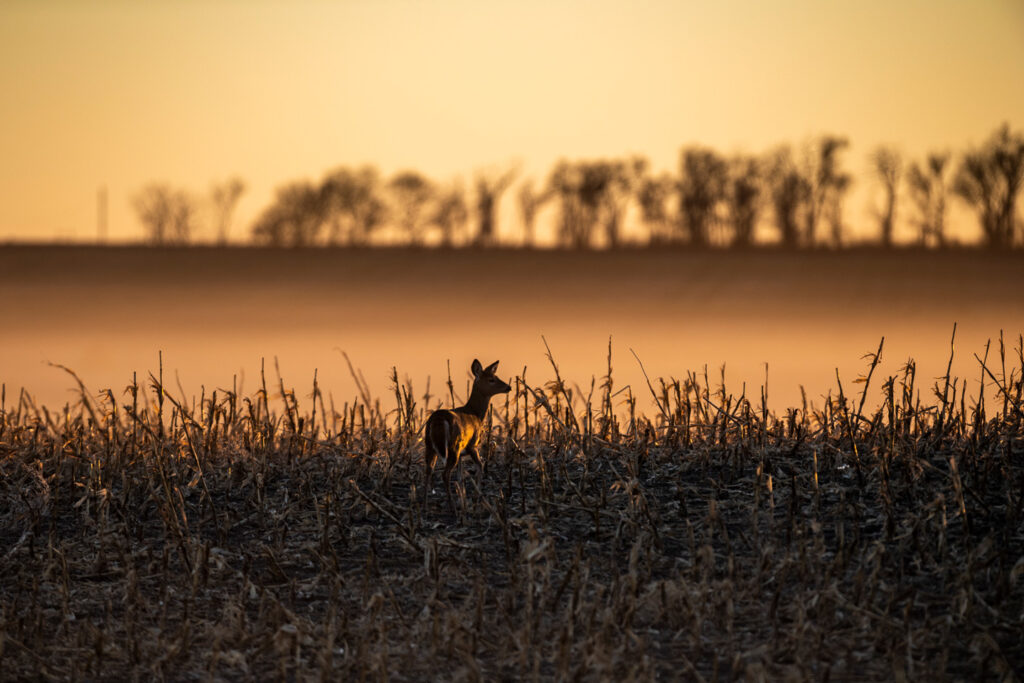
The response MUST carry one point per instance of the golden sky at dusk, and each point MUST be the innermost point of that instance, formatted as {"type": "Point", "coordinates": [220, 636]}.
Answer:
{"type": "Point", "coordinates": [122, 93]}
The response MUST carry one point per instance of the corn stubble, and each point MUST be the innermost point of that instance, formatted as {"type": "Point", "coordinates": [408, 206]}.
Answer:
{"type": "Point", "coordinates": [280, 536]}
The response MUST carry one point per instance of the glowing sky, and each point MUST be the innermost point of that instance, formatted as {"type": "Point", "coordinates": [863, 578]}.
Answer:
{"type": "Point", "coordinates": [122, 93]}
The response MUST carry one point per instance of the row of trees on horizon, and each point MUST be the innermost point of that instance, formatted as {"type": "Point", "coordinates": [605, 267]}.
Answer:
{"type": "Point", "coordinates": [711, 200]}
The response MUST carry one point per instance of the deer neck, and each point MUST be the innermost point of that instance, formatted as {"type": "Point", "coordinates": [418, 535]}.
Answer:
{"type": "Point", "coordinates": [477, 403]}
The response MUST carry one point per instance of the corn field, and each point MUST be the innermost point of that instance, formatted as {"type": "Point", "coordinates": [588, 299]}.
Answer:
{"type": "Point", "coordinates": [282, 536]}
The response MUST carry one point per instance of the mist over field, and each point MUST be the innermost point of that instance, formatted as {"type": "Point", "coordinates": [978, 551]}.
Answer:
{"type": "Point", "coordinates": [216, 313]}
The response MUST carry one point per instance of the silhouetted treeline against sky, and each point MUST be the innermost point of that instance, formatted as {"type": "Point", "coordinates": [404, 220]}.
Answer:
{"type": "Point", "coordinates": [787, 196]}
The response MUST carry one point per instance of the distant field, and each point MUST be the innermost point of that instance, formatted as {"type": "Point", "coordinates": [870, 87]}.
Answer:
{"type": "Point", "coordinates": [214, 313]}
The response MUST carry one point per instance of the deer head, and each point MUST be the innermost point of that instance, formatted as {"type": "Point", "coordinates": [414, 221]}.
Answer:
{"type": "Point", "coordinates": [486, 381]}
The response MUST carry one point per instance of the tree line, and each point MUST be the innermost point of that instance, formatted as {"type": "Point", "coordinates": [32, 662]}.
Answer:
{"type": "Point", "coordinates": [711, 200]}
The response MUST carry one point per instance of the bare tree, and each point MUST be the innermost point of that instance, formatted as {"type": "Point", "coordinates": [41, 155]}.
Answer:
{"type": "Point", "coordinates": [411, 192]}
{"type": "Point", "coordinates": [834, 208]}
{"type": "Point", "coordinates": [489, 188]}
{"type": "Point", "coordinates": [928, 192]}
{"type": "Point", "coordinates": [294, 219]}
{"type": "Point", "coordinates": [828, 187]}
{"type": "Point", "coordinates": [989, 179]}
{"type": "Point", "coordinates": [153, 205]}
{"type": "Point", "coordinates": [530, 201]}
{"type": "Point", "coordinates": [168, 215]}
{"type": "Point", "coordinates": [223, 199]}
{"type": "Point", "coordinates": [184, 217]}
{"type": "Point", "coordinates": [653, 195]}
{"type": "Point", "coordinates": [353, 205]}
{"type": "Point", "coordinates": [269, 227]}
{"type": "Point", "coordinates": [743, 199]}
{"type": "Point", "coordinates": [451, 214]}
{"type": "Point", "coordinates": [596, 181]}
{"type": "Point", "coordinates": [587, 194]}
{"type": "Point", "coordinates": [624, 178]}
{"type": "Point", "coordinates": [575, 226]}
{"type": "Point", "coordinates": [888, 168]}
{"type": "Point", "coordinates": [702, 185]}
{"type": "Point", "coordinates": [790, 192]}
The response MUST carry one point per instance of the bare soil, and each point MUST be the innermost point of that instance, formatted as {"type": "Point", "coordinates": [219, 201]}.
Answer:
{"type": "Point", "coordinates": [280, 537]}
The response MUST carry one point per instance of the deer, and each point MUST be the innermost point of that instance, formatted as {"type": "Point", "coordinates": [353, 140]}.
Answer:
{"type": "Point", "coordinates": [456, 432]}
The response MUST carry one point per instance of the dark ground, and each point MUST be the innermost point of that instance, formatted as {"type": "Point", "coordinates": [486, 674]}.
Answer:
{"type": "Point", "coordinates": [228, 542]}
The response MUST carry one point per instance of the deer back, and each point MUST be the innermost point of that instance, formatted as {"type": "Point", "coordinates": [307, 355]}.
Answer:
{"type": "Point", "coordinates": [457, 427]}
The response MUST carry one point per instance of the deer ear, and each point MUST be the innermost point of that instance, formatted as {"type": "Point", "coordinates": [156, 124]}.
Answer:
{"type": "Point", "coordinates": [492, 367]}
{"type": "Point", "coordinates": [476, 368]}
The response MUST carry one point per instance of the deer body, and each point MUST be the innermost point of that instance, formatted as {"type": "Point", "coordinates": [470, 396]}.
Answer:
{"type": "Point", "coordinates": [456, 432]}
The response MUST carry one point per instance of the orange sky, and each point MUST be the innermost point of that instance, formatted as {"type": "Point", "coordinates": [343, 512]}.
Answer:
{"type": "Point", "coordinates": [121, 93]}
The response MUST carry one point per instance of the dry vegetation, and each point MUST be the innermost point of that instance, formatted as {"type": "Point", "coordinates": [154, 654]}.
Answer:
{"type": "Point", "coordinates": [281, 535]}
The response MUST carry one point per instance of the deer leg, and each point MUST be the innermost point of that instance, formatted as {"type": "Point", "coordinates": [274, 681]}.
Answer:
{"type": "Point", "coordinates": [451, 461]}
{"type": "Point", "coordinates": [429, 458]}
{"type": "Point", "coordinates": [448, 489]}
{"type": "Point", "coordinates": [479, 467]}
